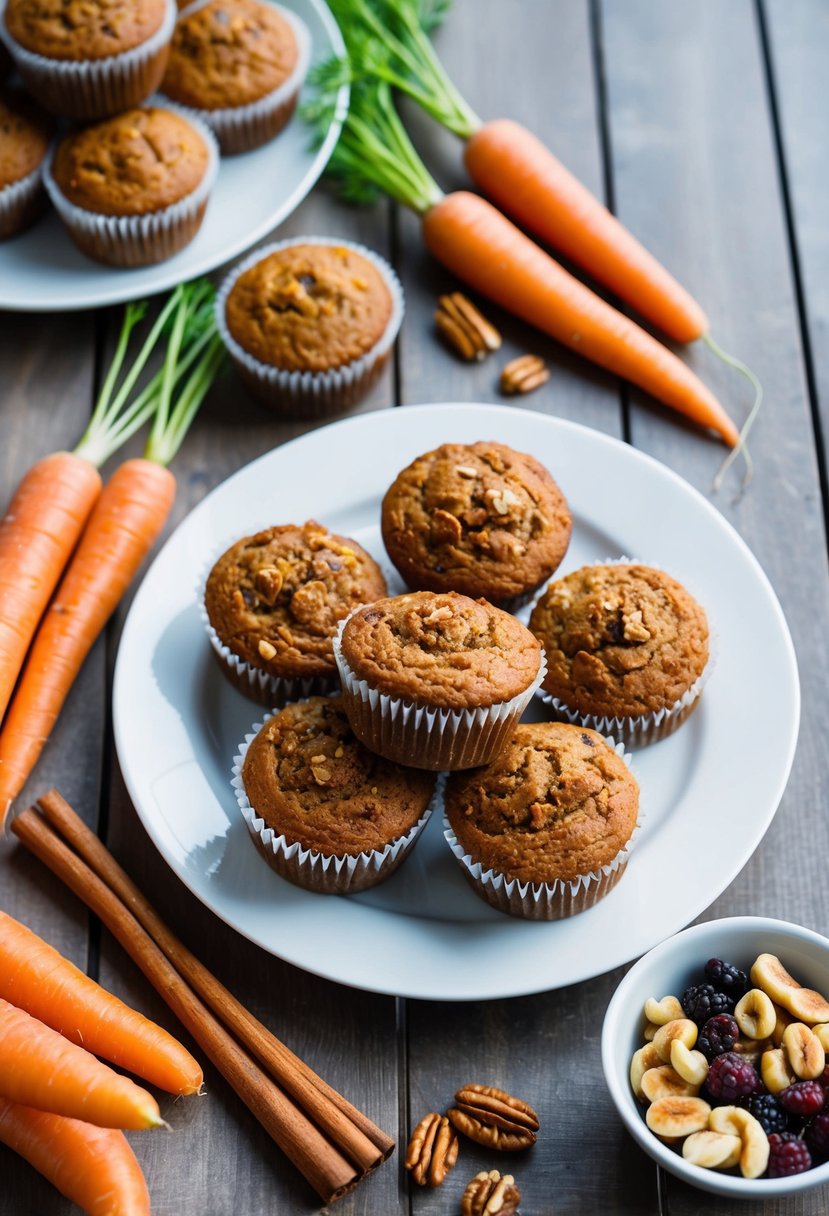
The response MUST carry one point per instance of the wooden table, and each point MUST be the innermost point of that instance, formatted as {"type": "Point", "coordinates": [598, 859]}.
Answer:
{"type": "Point", "coordinates": [704, 126]}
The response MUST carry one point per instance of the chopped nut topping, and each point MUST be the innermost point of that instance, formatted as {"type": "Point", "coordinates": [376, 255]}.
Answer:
{"type": "Point", "coordinates": [437, 615]}
{"type": "Point", "coordinates": [502, 500]}
{"type": "Point", "coordinates": [446, 528]}
{"type": "Point", "coordinates": [634, 628]}
{"type": "Point", "coordinates": [465, 470]}
{"type": "Point", "coordinates": [465, 329]}
{"type": "Point", "coordinates": [339, 752]}
{"type": "Point", "coordinates": [319, 772]}
{"type": "Point", "coordinates": [268, 582]}
{"type": "Point", "coordinates": [266, 650]}
{"type": "Point", "coordinates": [524, 374]}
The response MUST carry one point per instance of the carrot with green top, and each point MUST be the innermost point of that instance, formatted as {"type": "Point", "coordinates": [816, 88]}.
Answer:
{"type": "Point", "coordinates": [484, 249]}
{"type": "Point", "coordinates": [40, 1068]}
{"type": "Point", "coordinates": [123, 526]}
{"type": "Point", "coordinates": [35, 977]}
{"type": "Point", "coordinates": [93, 1167]}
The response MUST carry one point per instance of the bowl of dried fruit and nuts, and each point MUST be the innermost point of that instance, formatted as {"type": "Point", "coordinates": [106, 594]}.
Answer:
{"type": "Point", "coordinates": [715, 1049]}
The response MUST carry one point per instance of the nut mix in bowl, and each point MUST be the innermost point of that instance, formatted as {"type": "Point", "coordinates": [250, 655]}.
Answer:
{"type": "Point", "coordinates": [713, 1048]}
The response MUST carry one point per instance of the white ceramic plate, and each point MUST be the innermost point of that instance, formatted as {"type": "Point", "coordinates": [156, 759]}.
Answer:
{"type": "Point", "coordinates": [424, 933]}
{"type": "Point", "coordinates": [42, 271]}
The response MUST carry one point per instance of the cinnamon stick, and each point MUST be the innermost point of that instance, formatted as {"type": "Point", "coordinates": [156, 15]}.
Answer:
{"type": "Point", "coordinates": [353, 1132]}
{"type": "Point", "coordinates": [325, 1168]}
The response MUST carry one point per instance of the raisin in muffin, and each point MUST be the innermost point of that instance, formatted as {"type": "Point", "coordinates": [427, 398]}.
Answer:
{"type": "Point", "coordinates": [274, 601]}
{"type": "Point", "coordinates": [325, 812]}
{"type": "Point", "coordinates": [543, 830]}
{"type": "Point", "coordinates": [627, 649]}
{"type": "Point", "coordinates": [436, 681]}
{"type": "Point", "coordinates": [477, 518]}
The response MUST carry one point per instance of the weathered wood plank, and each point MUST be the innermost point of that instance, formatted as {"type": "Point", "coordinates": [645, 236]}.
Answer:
{"type": "Point", "coordinates": [220, 1161]}
{"type": "Point", "coordinates": [695, 173]}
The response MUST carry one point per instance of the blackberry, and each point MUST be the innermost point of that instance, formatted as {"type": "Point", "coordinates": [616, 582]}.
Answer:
{"type": "Point", "coordinates": [817, 1137]}
{"type": "Point", "coordinates": [719, 1034]}
{"type": "Point", "coordinates": [702, 1001]}
{"type": "Point", "coordinates": [767, 1111]}
{"type": "Point", "coordinates": [725, 977]}
{"type": "Point", "coordinates": [804, 1098]}
{"type": "Point", "coordinates": [731, 1077]}
{"type": "Point", "coordinates": [787, 1155]}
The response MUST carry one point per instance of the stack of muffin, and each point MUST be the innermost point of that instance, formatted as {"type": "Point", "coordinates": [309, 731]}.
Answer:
{"type": "Point", "coordinates": [376, 695]}
{"type": "Point", "coordinates": [131, 184]}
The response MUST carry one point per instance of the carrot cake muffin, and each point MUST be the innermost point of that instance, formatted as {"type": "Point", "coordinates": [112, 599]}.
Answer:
{"type": "Point", "coordinates": [543, 830]}
{"type": "Point", "coordinates": [436, 680]}
{"type": "Point", "coordinates": [133, 190]}
{"type": "Point", "coordinates": [309, 324]}
{"type": "Point", "coordinates": [478, 518]}
{"type": "Point", "coordinates": [89, 59]}
{"type": "Point", "coordinates": [327, 813]}
{"type": "Point", "coordinates": [240, 64]}
{"type": "Point", "coordinates": [626, 649]}
{"type": "Point", "coordinates": [25, 131]}
{"type": "Point", "coordinates": [274, 602]}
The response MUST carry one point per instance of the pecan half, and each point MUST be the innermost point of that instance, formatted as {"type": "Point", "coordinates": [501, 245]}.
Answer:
{"type": "Point", "coordinates": [432, 1151]}
{"type": "Point", "coordinates": [494, 1118]}
{"type": "Point", "coordinates": [488, 1194]}
{"type": "Point", "coordinates": [465, 329]}
{"type": "Point", "coordinates": [523, 374]}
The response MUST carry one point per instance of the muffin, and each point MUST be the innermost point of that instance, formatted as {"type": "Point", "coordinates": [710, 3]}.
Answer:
{"type": "Point", "coordinates": [25, 132]}
{"type": "Point", "coordinates": [324, 811]}
{"type": "Point", "coordinates": [436, 681]}
{"type": "Point", "coordinates": [476, 518]}
{"type": "Point", "coordinates": [240, 65]}
{"type": "Point", "coordinates": [89, 59]}
{"type": "Point", "coordinates": [310, 324]}
{"type": "Point", "coordinates": [133, 190]}
{"type": "Point", "coordinates": [273, 603]}
{"type": "Point", "coordinates": [544, 830]}
{"type": "Point", "coordinates": [627, 650]}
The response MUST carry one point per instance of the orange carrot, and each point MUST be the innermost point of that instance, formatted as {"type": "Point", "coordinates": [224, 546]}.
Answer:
{"type": "Point", "coordinates": [523, 177]}
{"type": "Point", "coordinates": [475, 241]}
{"type": "Point", "coordinates": [122, 528]}
{"type": "Point", "coordinates": [40, 529]}
{"type": "Point", "coordinates": [35, 977]}
{"type": "Point", "coordinates": [40, 1068]}
{"type": "Point", "coordinates": [93, 1167]}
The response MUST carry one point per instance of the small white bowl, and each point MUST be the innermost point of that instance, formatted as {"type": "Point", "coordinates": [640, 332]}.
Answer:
{"type": "Point", "coordinates": [669, 969]}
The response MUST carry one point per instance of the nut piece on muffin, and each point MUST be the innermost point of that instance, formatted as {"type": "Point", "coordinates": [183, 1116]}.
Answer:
{"type": "Point", "coordinates": [307, 781]}
{"type": "Point", "coordinates": [436, 680]}
{"type": "Point", "coordinates": [627, 647]}
{"type": "Point", "coordinates": [274, 602]}
{"type": "Point", "coordinates": [89, 59]}
{"type": "Point", "coordinates": [133, 190]}
{"type": "Point", "coordinates": [477, 518]}
{"type": "Point", "coordinates": [240, 64]}
{"type": "Point", "coordinates": [542, 831]}
{"type": "Point", "coordinates": [310, 324]}
{"type": "Point", "coordinates": [25, 131]}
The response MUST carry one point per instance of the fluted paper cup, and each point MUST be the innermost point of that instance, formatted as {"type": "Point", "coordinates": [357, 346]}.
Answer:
{"type": "Point", "coordinates": [242, 128]}
{"type": "Point", "coordinates": [312, 394]}
{"type": "Point", "coordinates": [423, 736]}
{"type": "Point", "coordinates": [328, 874]}
{"type": "Point", "coordinates": [138, 240]}
{"type": "Point", "coordinates": [87, 89]}
{"type": "Point", "coordinates": [21, 203]}
{"type": "Point", "coordinates": [544, 901]}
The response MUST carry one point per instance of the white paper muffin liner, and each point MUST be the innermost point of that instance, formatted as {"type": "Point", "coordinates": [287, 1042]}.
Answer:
{"type": "Point", "coordinates": [642, 729]}
{"type": "Point", "coordinates": [242, 128]}
{"type": "Point", "coordinates": [545, 901]}
{"type": "Point", "coordinates": [94, 88]}
{"type": "Point", "coordinates": [421, 736]}
{"type": "Point", "coordinates": [138, 240]}
{"type": "Point", "coordinates": [312, 394]}
{"type": "Point", "coordinates": [327, 874]}
{"type": "Point", "coordinates": [20, 203]}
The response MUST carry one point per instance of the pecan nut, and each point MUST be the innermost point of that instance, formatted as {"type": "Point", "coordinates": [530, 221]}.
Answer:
{"type": "Point", "coordinates": [432, 1151]}
{"type": "Point", "coordinates": [488, 1194]}
{"type": "Point", "coordinates": [464, 328]}
{"type": "Point", "coordinates": [494, 1118]}
{"type": "Point", "coordinates": [524, 374]}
